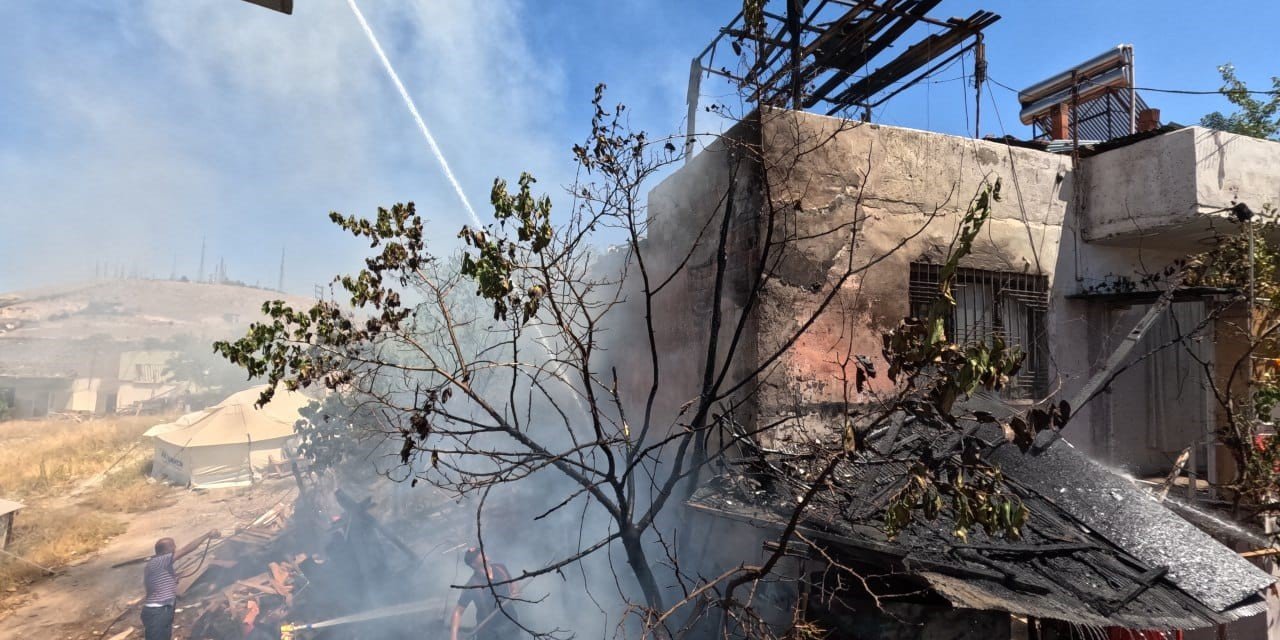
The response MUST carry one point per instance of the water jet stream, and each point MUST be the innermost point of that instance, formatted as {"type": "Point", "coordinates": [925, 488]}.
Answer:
{"type": "Point", "coordinates": [413, 110]}
{"type": "Point", "coordinates": [444, 164]}
{"type": "Point", "coordinates": [1227, 526]}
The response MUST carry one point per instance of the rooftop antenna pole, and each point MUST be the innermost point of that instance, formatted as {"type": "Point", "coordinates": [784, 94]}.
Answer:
{"type": "Point", "coordinates": [979, 76]}
{"type": "Point", "coordinates": [695, 86]}
{"type": "Point", "coordinates": [794, 10]}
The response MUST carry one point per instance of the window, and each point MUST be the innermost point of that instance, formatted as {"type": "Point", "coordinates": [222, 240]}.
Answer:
{"type": "Point", "coordinates": [989, 304]}
{"type": "Point", "coordinates": [148, 373]}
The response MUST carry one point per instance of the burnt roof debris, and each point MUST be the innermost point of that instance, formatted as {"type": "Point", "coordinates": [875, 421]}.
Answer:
{"type": "Point", "coordinates": [830, 53]}
{"type": "Point", "coordinates": [1087, 147]}
{"type": "Point", "coordinates": [1126, 140]}
{"type": "Point", "coordinates": [1096, 550]}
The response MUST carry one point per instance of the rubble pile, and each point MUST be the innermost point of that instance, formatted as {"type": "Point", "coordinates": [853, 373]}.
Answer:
{"type": "Point", "coordinates": [324, 566]}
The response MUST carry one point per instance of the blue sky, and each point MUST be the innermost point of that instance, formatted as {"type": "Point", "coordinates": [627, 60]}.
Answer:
{"type": "Point", "coordinates": [130, 130]}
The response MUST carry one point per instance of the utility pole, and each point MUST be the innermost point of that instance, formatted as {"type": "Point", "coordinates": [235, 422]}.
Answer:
{"type": "Point", "coordinates": [280, 282]}
{"type": "Point", "coordinates": [200, 274]}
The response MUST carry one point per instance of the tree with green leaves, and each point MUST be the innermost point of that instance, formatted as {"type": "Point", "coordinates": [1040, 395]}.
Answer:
{"type": "Point", "coordinates": [1246, 384]}
{"type": "Point", "coordinates": [535, 398]}
{"type": "Point", "coordinates": [1259, 118]}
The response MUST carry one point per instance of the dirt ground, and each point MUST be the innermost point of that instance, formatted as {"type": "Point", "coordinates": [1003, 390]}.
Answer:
{"type": "Point", "coordinates": [82, 600]}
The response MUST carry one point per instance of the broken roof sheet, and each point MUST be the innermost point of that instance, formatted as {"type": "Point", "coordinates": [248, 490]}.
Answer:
{"type": "Point", "coordinates": [1096, 550]}
{"type": "Point", "coordinates": [1132, 519]}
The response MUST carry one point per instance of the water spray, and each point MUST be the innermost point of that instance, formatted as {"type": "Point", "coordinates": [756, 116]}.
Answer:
{"type": "Point", "coordinates": [1232, 528]}
{"type": "Point", "coordinates": [287, 631]}
{"type": "Point", "coordinates": [413, 110]}
{"type": "Point", "coordinates": [444, 164]}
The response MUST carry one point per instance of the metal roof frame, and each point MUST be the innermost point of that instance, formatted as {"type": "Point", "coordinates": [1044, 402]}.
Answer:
{"type": "Point", "coordinates": [831, 53]}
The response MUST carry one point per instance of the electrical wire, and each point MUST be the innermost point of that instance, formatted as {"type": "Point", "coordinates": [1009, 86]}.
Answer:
{"type": "Point", "coordinates": [1189, 92]}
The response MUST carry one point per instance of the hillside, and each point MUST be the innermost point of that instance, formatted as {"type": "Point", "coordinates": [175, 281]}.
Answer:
{"type": "Point", "coordinates": [133, 310]}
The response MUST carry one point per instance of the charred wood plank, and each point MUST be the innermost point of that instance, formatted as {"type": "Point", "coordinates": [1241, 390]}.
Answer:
{"type": "Point", "coordinates": [1030, 550]}
{"type": "Point", "coordinates": [360, 510]}
{"type": "Point", "coordinates": [916, 56]}
{"type": "Point", "coordinates": [994, 574]}
{"type": "Point", "coordinates": [1145, 581]}
{"type": "Point", "coordinates": [849, 60]}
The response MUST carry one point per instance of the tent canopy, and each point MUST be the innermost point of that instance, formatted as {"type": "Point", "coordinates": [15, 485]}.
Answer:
{"type": "Point", "coordinates": [224, 444]}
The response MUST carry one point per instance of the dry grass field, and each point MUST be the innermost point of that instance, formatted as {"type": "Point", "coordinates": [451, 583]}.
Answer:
{"type": "Point", "coordinates": [76, 478]}
{"type": "Point", "coordinates": [40, 458]}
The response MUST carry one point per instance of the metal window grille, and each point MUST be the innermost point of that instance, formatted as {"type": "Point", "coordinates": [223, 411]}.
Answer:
{"type": "Point", "coordinates": [148, 372]}
{"type": "Point", "coordinates": [989, 304]}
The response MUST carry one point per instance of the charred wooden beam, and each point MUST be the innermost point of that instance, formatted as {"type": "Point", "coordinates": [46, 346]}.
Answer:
{"type": "Point", "coordinates": [915, 57]}
{"type": "Point", "coordinates": [1144, 582]}
{"type": "Point", "coordinates": [361, 510]}
{"type": "Point", "coordinates": [850, 58]}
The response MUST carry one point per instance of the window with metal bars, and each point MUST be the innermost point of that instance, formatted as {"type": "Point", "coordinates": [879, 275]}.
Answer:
{"type": "Point", "coordinates": [989, 304]}
{"type": "Point", "coordinates": [148, 372]}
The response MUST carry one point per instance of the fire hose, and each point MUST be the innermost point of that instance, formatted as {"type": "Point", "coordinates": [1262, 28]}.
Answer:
{"type": "Point", "coordinates": [287, 631]}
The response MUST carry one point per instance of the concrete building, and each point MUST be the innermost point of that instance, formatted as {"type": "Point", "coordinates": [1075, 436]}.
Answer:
{"type": "Point", "coordinates": [1143, 207]}
{"type": "Point", "coordinates": [144, 375]}
{"type": "Point", "coordinates": [1060, 270]}
{"type": "Point", "coordinates": [43, 376]}
{"type": "Point", "coordinates": [99, 347]}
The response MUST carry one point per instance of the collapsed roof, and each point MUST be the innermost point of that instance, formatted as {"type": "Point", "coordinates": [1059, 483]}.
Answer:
{"type": "Point", "coordinates": [1096, 550]}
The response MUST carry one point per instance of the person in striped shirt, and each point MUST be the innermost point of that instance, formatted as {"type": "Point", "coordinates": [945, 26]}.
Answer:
{"type": "Point", "coordinates": [161, 583]}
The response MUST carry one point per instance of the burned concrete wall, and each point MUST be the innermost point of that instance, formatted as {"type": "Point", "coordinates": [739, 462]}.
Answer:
{"type": "Point", "coordinates": [812, 198]}
{"type": "Point", "coordinates": [833, 213]}
{"type": "Point", "coordinates": [687, 218]}
{"type": "Point", "coordinates": [874, 200]}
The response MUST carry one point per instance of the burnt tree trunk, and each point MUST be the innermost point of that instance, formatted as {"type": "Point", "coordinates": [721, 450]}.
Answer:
{"type": "Point", "coordinates": [639, 564]}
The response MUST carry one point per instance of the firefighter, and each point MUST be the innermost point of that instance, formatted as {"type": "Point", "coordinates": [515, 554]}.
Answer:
{"type": "Point", "coordinates": [492, 623]}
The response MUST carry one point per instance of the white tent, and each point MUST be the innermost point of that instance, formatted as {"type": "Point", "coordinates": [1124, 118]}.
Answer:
{"type": "Point", "coordinates": [224, 445]}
